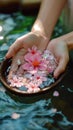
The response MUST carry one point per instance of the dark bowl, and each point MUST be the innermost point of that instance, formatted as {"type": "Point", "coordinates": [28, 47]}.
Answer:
{"type": "Point", "coordinates": [3, 74]}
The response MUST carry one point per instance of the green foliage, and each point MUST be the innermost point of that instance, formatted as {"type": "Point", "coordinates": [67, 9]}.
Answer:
{"type": "Point", "coordinates": [16, 25]}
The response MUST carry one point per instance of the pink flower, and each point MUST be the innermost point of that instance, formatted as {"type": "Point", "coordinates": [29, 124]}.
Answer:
{"type": "Point", "coordinates": [36, 78]}
{"type": "Point", "coordinates": [28, 76]}
{"type": "Point", "coordinates": [48, 55]}
{"type": "Point", "coordinates": [33, 90]}
{"type": "Point", "coordinates": [15, 116]}
{"type": "Point", "coordinates": [15, 81]}
{"type": "Point", "coordinates": [34, 51]}
{"type": "Point", "coordinates": [51, 66]}
{"type": "Point", "coordinates": [34, 70]}
{"type": "Point", "coordinates": [39, 76]}
{"type": "Point", "coordinates": [53, 110]}
{"type": "Point", "coordinates": [50, 60]}
{"type": "Point", "coordinates": [32, 87]}
{"type": "Point", "coordinates": [34, 63]}
{"type": "Point", "coordinates": [56, 93]}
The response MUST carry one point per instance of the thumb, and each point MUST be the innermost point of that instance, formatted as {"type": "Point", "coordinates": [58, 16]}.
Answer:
{"type": "Point", "coordinates": [14, 48]}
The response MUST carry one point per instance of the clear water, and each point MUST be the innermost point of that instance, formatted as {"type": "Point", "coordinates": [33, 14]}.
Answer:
{"type": "Point", "coordinates": [52, 110]}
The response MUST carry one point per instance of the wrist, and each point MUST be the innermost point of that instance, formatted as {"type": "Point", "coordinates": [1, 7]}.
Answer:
{"type": "Point", "coordinates": [40, 29]}
{"type": "Point", "coordinates": [39, 39]}
{"type": "Point", "coordinates": [40, 35]}
{"type": "Point", "coordinates": [68, 39]}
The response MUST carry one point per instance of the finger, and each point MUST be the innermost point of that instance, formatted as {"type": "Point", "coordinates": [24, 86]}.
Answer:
{"type": "Point", "coordinates": [16, 62]}
{"type": "Point", "coordinates": [10, 75]}
{"type": "Point", "coordinates": [14, 48]}
{"type": "Point", "coordinates": [13, 68]}
{"type": "Point", "coordinates": [61, 67]}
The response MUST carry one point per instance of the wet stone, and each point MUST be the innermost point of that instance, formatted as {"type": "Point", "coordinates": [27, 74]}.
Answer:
{"type": "Point", "coordinates": [48, 82]}
{"type": "Point", "coordinates": [23, 88]}
{"type": "Point", "coordinates": [42, 86]}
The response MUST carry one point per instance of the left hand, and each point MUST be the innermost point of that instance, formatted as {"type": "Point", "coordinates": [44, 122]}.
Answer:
{"type": "Point", "coordinates": [60, 50]}
{"type": "Point", "coordinates": [19, 48]}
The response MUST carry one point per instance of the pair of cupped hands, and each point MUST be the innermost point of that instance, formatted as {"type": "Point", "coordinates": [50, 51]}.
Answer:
{"type": "Point", "coordinates": [56, 46]}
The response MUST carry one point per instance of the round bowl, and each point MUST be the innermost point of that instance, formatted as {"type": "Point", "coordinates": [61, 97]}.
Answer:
{"type": "Point", "coordinates": [3, 74]}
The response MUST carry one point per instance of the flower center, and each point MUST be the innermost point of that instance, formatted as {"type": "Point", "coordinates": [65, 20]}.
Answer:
{"type": "Point", "coordinates": [33, 52]}
{"type": "Point", "coordinates": [38, 77]}
{"type": "Point", "coordinates": [35, 63]}
{"type": "Point", "coordinates": [33, 86]}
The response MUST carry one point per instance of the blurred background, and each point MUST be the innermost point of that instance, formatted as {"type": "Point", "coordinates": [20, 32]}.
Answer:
{"type": "Point", "coordinates": [26, 6]}
{"type": "Point", "coordinates": [41, 112]}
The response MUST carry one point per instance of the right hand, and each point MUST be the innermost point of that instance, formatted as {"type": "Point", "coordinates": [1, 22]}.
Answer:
{"type": "Point", "coordinates": [60, 50]}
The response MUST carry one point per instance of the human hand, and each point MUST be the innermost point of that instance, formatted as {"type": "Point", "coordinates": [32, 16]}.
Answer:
{"type": "Point", "coordinates": [20, 46]}
{"type": "Point", "coordinates": [60, 50]}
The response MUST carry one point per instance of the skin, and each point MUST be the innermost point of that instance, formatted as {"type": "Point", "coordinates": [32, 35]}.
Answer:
{"type": "Point", "coordinates": [60, 47]}
{"type": "Point", "coordinates": [60, 51]}
{"type": "Point", "coordinates": [40, 33]}
{"type": "Point", "coordinates": [19, 48]}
